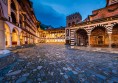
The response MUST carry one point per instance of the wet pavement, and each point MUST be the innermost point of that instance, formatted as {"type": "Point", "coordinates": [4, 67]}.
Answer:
{"type": "Point", "coordinates": [53, 63]}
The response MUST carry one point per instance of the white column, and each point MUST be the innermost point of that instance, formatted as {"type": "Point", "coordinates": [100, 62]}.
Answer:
{"type": "Point", "coordinates": [2, 35]}
{"type": "Point", "coordinates": [110, 40]}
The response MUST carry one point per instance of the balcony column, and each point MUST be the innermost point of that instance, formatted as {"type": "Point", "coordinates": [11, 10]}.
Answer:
{"type": "Point", "coordinates": [17, 17]}
{"type": "Point", "coordinates": [9, 10]}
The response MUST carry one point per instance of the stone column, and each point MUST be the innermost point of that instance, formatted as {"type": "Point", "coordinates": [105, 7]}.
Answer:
{"type": "Point", "coordinates": [2, 35]}
{"type": "Point", "coordinates": [72, 39]}
{"type": "Point", "coordinates": [89, 40]}
{"type": "Point", "coordinates": [110, 40]}
{"type": "Point", "coordinates": [18, 40]}
{"type": "Point", "coordinates": [10, 40]}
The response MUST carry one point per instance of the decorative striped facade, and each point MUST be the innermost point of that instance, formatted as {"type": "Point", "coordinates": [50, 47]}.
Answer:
{"type": "Point", "coordinates": [99, 30]}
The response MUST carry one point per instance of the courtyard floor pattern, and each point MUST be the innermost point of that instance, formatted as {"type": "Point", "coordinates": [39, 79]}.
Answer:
{"type": "Point", "coordinates": [51, 63]}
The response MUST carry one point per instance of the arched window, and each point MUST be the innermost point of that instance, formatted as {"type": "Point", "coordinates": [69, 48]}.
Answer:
{"type": "Point", "coordinates": [13, 5]}
{"type": "Point", "coordinates": [69, 24]}
{"type": "Point", "coordinates": [73, 23]}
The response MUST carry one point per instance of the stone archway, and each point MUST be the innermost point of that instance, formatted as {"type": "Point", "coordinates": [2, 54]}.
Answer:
{"type": "Point", "coordinates": [22, 38]}
{"type": "Point", "coordinates": [7, 35]}
{"type": "Point", "coordinates": [99, 37]}
{"type": "Point", "coordinates": [115, 36]}
{"type": "Point", "coordinates": [26, 38]}
{"type": "Point", "coordinates": [15, 37]}
{"type": "Point", "coordinates": [81, 37]}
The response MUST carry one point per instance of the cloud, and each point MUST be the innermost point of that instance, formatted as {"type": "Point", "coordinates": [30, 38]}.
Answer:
{"type": "Point", "coordinates": [54, 12]}
{"type": "Point", "coordinates": [47, 15]}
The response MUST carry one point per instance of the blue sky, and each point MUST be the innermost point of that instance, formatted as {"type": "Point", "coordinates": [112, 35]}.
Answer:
{"type": "Point", "coordinates": [54, 12]}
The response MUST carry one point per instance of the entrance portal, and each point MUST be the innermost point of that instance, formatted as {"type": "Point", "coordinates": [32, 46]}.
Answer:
{"type": "Point", "coordinates": [99, 37]}
{"type": "Point", "coordinates": [81, 37]}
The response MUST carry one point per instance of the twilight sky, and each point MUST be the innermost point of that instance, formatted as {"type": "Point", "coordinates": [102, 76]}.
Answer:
{"type": "Point", "coordinates": [54, 12]}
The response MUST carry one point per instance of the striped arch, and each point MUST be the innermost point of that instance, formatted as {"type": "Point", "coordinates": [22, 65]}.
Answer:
{"type": "Point", "coordinates": [100, 26]}
{"type": "Point", "coordinates": [110, 27]}
{"type": "Point", "coordinates": [113, 24]}
{"type": "Point", "coordinates": [81, 37]}
{"type": "Point", "coordinates": [99, 36]}
{"type": "Point", "coordinates": [81, 28]}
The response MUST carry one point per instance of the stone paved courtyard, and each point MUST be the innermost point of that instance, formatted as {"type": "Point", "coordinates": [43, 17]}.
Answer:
{"type": "Point", "coordinates": [53, 63]}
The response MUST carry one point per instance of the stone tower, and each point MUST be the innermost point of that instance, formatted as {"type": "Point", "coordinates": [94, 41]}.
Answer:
{"type": "Point", "coordinates": [73, 19]}
{"type": "Point", "coordinates": [110, 2]}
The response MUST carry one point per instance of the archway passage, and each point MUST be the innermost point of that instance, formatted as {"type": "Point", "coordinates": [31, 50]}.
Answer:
{"type": "Point", "coordinates": [26, 38]}
{"type": "Point", "coordinates": [81, 37]}
{"type": "Point", "coordinates": [7, 36]}
{"type": "Point", "coordinates": [115, 36]}
{"type": "Point", "coordinates": [99, 37]}
{"type": "Point", "coordinates": [14, 37]}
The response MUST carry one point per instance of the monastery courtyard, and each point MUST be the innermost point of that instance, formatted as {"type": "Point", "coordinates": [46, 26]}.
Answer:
{"type": "Point", "coordinates": [54, 63]}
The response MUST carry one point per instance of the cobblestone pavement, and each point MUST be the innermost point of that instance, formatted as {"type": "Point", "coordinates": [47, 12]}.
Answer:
{"type": "Point", "coordinates": [55, 64]}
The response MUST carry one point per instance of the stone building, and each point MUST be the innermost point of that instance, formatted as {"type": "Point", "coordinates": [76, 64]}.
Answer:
{"type": "Point", "coordinates": [99, 30]}
{"type": "Point", "coordinates": [52, 35]}
{"type": "Point", "coordinates": [18, 24]}
{"type": "Point", "coordinates": [71, 21]}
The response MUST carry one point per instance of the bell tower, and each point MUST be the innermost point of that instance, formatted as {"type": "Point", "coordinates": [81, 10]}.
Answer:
{"type": "Point", "coordinates": [110, 2]}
